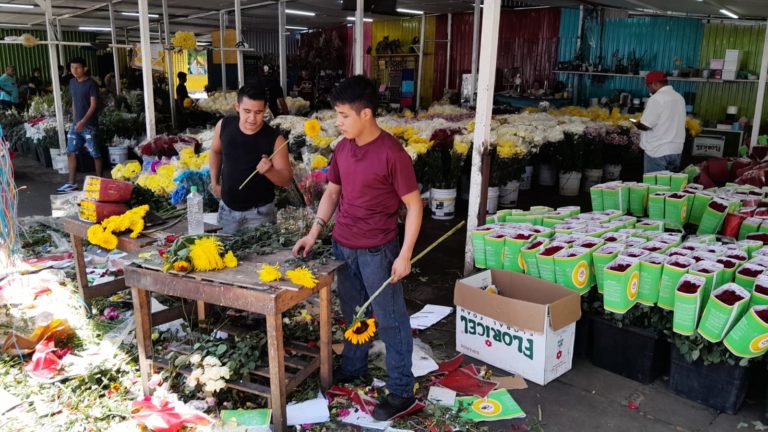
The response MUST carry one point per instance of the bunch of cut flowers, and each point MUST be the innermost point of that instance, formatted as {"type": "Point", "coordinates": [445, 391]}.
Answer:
{"type": "Point", "coordinates": [199, 252]}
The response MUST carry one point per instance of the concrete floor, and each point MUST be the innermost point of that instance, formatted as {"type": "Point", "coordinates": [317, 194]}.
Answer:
{"type": "Point", "coordinates": [585, 399]}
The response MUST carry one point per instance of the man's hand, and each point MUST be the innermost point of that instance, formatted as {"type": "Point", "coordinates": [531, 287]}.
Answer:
{"type": "Point", "coordinates": [264, 165]}
{"type": "Point", "coordinates": [79, 126]}
{"type": "Point", "coordinates": [400, 268]}
{"type": "Point", "coordinates": [304, 246]}
{"type": "Point", "coordinates": [216, 189]}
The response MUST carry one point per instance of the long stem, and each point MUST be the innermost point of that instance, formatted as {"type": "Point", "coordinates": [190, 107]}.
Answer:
{"type": "Point", "coordinates": [256, 170]}
{"type": "Point", "coordinates": [361, 310]}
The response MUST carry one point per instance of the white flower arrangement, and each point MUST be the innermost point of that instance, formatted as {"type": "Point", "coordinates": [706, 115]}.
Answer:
{"type": "Point", "coordinates": [208, 373]}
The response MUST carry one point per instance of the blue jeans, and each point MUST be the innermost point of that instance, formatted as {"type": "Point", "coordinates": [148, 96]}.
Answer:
{"type": "Point", "coordinates": [363, 274]}
{"type": "Point", "coordinates": [86, 137]}
{"type": "Point", "coordinates": [662, 163]}
{"type": "Point", "coordinates": [232, 221]}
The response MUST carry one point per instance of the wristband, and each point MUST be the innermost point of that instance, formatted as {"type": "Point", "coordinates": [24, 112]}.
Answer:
{"type": "Point", "coordinates": [319, 221]}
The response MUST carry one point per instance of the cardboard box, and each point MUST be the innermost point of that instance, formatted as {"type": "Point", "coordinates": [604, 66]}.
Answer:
{"type": "Point", "coordinates": [527, 328]}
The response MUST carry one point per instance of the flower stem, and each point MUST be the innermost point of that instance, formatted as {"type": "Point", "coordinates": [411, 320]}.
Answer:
{"type": "Point", "coordinates": [361, 309]}
{"type": "Point", "coordinates": [256, 170]}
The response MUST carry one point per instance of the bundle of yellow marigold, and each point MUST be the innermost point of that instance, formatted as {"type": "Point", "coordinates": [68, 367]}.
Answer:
{"type": "Point", "coordinates": [301, 276]}
{"type": "Point", "coordinates": [203, 252]}
{"type": "Point", "coordinates": [105, 233]}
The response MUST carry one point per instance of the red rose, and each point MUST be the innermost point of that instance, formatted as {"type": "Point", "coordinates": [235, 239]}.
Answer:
{"type": "Point", "coordinates": [170, 238]}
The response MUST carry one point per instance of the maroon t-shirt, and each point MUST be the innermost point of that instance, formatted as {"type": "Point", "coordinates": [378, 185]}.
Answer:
{"type": "Point", "coordinates": [372, 177]}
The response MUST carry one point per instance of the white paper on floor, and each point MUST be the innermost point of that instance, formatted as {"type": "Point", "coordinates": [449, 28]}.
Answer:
{"type": "Point", "coordinates": [421, 358]}
{"type": "Point", "coordinates": [173, 325]}
{"type": "Point", "coordinates": [442, 396]}
{"type": "Point", "coordinates": [429, 316]}
{"type": "Point", "coordinates": [360, 418]}
{"type": "Point", "coordinates": [308, 412]}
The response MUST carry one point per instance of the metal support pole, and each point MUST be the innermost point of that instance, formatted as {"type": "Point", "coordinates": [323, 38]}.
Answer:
{"type": "Point", "coordinates": [358, 47]}
{"type": "Point", "coordinates": [281, 46]}
{"type": "Point", "coordinates": [169, 60]}
{"type": "Point", "coordinates": [60, 38]}
{"type": "Point", "coordinates": [146, 68]}
{"type": "Point", "coordinates": [475, 49]}
{"type": "Point", "coordinates": [760, 93]}
{"type": "Point", "coordinates": [448, 55]}
{"type": "Point", "coordinates": [581, 29]}
{"type": "Point", "coordinates": [239, 32]}
{"type": "Point", "coordinates": [52, 55]}
{"type": "Point", "coordinates": [421, 60]}
{"type": "Point", "coordinates": [115, 58]}
{"type": "Point", "coordinates": [222, 16]}
{"type": "Point", "coordinates": [478, 190]}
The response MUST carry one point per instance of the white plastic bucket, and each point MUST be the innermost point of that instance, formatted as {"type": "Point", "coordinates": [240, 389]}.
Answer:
{"type": "Point", "coordinates": [492, 203]}
{"type": "Point", "coordinates": [612, 172]}
{"type": "Point", "coordinates": [592, 177]}
{"type": "Point", "coordinates": [525, 180]}
{"type": "Point", "coordinates": [547, 175]}
{"type": "Point", "coordinates": [442, 203]}
{"type": "Point", "coordinates": [118, 155]}
{"type": "Point", "coordinates": [508, 194]}
{"type": "Point", "coordinates": [569, 183]}
{"type": "Point", "coordinates": [60, 163]}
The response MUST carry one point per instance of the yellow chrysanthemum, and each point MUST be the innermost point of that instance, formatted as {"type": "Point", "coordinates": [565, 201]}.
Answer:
{"type": "Point", "coordinates": [408, 114]}
{"type": "Point", "coordinates": [361, 332]}
{"type": "Point", "coordinates": [166, 171]}
{"type": "Point", "coordinates": [187, 153]}
{"type": "Point", "coordinates": [318, 162]}
{"type": "Point", "coordinates": [269, 273]}
{"type": "Point", "coordinates": [230, 261]}
{"type": "Point", "coordinates": [108, 241]}
{"type": "Point", "coordinates": [471, 126]}
{"type": "Point", "coordinates": [321, 141]}
{"type": "Point", "coordinates": [409, 133]}
{"type": "Point", "coordinates": [312, 128]}
{"type": "Point", "coordinates": [460, 148]}
{"type": "Point", "coordinates": [419, 149]}
{"type": "Point", "coordinates": [302, 276]}
{"type": "Point", "coordinates": [131, 169]}
{"type": "Point", "coordinates": [117, 172]}
{"type": "Point", "coordinates": [181, 266]}
{"type": "Point", "coordinates": [204, 254]}
{"type": "Point", "coordinates": [693, 126]}
{"type": "Point", "coordinates": [184, 40]}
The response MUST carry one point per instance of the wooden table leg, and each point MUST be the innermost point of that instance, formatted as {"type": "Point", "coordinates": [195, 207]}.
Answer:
{"type": "Point", "coordinates": [326, 361]}
{"type": "Point", "coordinates": [277, 370]}
{"type": "Point", "coordinates": [80, 272]}
{"type": "Point", "coordinates": [142, 314]}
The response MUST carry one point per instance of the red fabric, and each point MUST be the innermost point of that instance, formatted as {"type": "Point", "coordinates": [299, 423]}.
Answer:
{"type": "Point", "coordinates": [46, 361]}
{"type": "Point", "coordinates": [373, 177]}
{"type": "Point", "coordinates": [467, 381]}
{"type": "Point", "coordinates": [654, 76]}
{"type": "Point", "coordinates": [162, 416]}
{"type": "Point", "coordinates": [732, 224]}
{"type": "Point", "coordinates": [528, 39]}
{"type": "Point", "coordinates": [718, 170]}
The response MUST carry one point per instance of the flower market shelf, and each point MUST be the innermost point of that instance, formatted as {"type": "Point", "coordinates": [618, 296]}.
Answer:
{"type": "Point", "coordinates": [235, 288]}
{"type": "Point", "coordinates": [78, 230]}
{"type": "Point", "coordinates": [669, 78]}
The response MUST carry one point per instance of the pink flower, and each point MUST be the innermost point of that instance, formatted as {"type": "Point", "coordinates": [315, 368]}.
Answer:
{"type": "Point", "coordinates": [343, 413]}
{"type": "Point", "coordinates": [155, 381]}
{"type": "Point", "coordinates": [211, 401]}
{"type": "Point", "coordinates": [111, 313]}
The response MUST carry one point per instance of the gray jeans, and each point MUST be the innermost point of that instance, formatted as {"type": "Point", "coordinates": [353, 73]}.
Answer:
{"type": "Point", "coordinates": [232, 221]}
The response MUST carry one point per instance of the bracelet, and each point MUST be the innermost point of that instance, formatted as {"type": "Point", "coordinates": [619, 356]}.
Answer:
{"type": "Point", "coordinates": [319, 221]}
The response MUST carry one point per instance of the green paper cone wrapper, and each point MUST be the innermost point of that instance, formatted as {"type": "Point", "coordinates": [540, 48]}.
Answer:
{"type": "Point", "coordinates": [622, 283]}
{"type": "Point", "coordinates": [700, 202]}
{"type": "Point", "coordinates": [573, 269]}
{"type": "Point", "coordinates": [729, 269]}
{"type": "Point", "coordinates": [678, 182]}
{"type": "Point", "coordinates": [515, 241]}
{"type": "Point", "coordinates": [760, 292]}
{"type": "Point", "coordinates": [676, 207]}
{"type": "Point", "coordinates": [601, 258]}
{"type": "Point", "coordinates": [713, 217]}
{"type": "Point", "coordinates": [478, 243]}
{"type": "Point", "coordinates": [749, 337]}
{"type": "Point", "coordinates": [721, 314]}
{"type": "Point", "coordinates": [674, 269]}
{"type": "Point", "coordinates": [689, 299]}
{"type": "Point", "coordinates": [494, 250]}
{"type": "Point", "coordinates": [529, 252]}
{"type": "Point", "coordinates": [638, 199]}
{"type": "Point", "coordinates": [749, 226]}
{"type": "Point", "coordinates": [651, 267]}
{"type": "Point", "coordinates": [747, 274]}
{"type": "Point", "coordinates": [546, 260]}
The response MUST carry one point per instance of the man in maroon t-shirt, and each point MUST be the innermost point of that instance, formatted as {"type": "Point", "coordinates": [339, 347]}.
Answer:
{"type": "Point", "coordinates": [370, 175]}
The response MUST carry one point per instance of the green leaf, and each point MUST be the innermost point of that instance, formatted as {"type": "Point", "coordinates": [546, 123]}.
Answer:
{"type": "Point", "coordinates": [695, 355]}
{"type": "Point", "coordinates": [221, 349]}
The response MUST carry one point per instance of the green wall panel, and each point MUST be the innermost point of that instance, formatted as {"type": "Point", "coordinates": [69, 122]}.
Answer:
{"type": "Point", "coordinates": [26, 59]}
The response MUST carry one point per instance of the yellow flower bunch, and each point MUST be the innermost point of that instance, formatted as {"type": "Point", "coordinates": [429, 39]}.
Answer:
{"type": "Point", "coordinates": [409, 133]}
{"type": "Point", "coordinates": [321, 141]}
{"type": "Point", "coordinates": [318, 162]}
{"type": "Point", "coordinates": [103, 234]}
{"type": "Point", "coordinates": [199, 253]}
{"type": "Point", "coordinates": [471, 126]}
{"type": "Point", "coordinates": [361, 331]}
{"type": "Point", "coordinates": [184, 40]}
{"type": "Point", "coordinates": [460, 148]}
{"type": "Point", "coordinates": [301, 276]}
{"type": "Point", "coordinates": [408, 114]}
{"type": "Point", "coordinates": [312, 128]}
{"type": "Point", "coordinates": [510, 148]}
{"type": "Point", "coordinates": [693, 126]}
{"type": "Point", "coordinates": [189, 160]}
{"type": "Point", "coordinates": [127, 171]}
{"type": "Point", "coordinates": [166, 171]}
{"type": "Point", "coordinates": [269, 273]}
{"type": "Point", "coordinates": [156, 183]}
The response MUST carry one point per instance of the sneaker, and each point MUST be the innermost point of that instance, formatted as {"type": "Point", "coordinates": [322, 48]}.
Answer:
{"type": "Point", "coordinates": [342, 378]}
{"type": "Point", "coordinates": [66, 188]}
{"type": "Point", "coordinates": [391, 406]}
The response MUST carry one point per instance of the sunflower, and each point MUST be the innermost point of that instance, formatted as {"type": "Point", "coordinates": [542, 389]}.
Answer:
{"type": "Point", "coordinates": [230, 261]}
{"type": "Point", "coordinates": [204, 254]}
{"type": "Point", "coordinates": [312, 128]}
{"type": "Point", "coordinates": [269, 273]}
{"type": "Point", "coordinates": [361, 331]}
{"type": "Point", "coordinates": [302, 276]}
{"type": "Point", "coordinates": [181, 266]}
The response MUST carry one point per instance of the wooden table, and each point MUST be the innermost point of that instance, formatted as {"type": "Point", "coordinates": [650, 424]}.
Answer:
{"type": "Point", "coordinates": [239, 288]}
{"type": "Point", "coordinates": [78, 230]}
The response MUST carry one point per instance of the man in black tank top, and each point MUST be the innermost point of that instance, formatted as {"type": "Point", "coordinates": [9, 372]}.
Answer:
{"type": "Point", "coordinates": [240, 145]}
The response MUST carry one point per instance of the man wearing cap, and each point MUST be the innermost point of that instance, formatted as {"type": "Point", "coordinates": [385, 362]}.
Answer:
{"type": "Point", "coordinates": [662, 125]}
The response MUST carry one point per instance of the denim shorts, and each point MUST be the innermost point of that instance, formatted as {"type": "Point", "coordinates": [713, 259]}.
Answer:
{"type": "Point", "coordinates": [86, 137]}
{"type": "Point", "coordinates": [232, 221]}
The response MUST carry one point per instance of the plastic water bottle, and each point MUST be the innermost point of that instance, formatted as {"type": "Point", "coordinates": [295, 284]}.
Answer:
{"type": "Point", "coordinates": [195, 212]}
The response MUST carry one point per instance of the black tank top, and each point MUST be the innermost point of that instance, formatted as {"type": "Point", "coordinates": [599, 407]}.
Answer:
{"type": "Point", "coordinates": [241, 154]}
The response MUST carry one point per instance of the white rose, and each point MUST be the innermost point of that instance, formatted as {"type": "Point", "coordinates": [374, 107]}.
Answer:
{"type": "Point", "coordinates": [211, 361]}
{"type": "Point", "coordinates": [195, 359]}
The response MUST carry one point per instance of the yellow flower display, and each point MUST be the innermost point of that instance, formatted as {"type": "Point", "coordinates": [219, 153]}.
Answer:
{"type": "Point", "coordinates": [181, 266]}
{"type": "Point", "coordinates": [460, 148]}
{"type": "Point", "coordinates": [312, 128]}
{"type": "Point", "coordinates": [693, 126]}
{"type": "Point", "coordinates": [361, 331]}
{"type": "Point", "coordinates": [269, 273]}
{"type": "Point", "coordinates": [510, 148]}
{"type": "Point", "coordinates": [103, 234]}
{"type": "Point", "coordinates": [230, 261]}
{"type": "Point", "coordinates": [184, 40]}
{"type": "Point", "coordinates": [408, 114]}
{"type": "Point", "coordinates": [166, 171]}
{"type": "Point", "coordinates": [471, 126]}
{"type": "Point", "coordinates": [318, 162]}
{"type": "Point", "coordinates": [302, 276]}
{"type": "Point", "coordinates": [321, 141]}
{"type": "Point", "coordinates": [419, 149]}
{"type": "Point", "coordinates": [204, 254]}
{"type": "Point", "coordinates": [126, 171]}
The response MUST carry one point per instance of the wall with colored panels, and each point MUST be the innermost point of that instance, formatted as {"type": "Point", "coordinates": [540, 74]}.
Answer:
{"type": "Point", "coordinates": [714, 98]}
{"type": "Point", "coordinates": [26, 59]}
{"type": "Point", "coordinates": [405, 30]}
